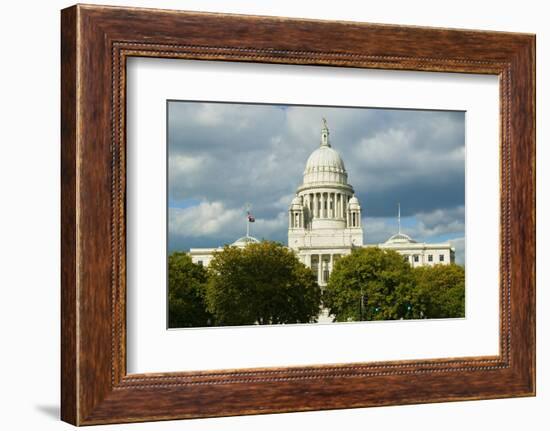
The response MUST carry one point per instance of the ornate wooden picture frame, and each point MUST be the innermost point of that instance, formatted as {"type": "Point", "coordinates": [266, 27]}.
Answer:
{"type": "Point", "coordinates": [96, 41]}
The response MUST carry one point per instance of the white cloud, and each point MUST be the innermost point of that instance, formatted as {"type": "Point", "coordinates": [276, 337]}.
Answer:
{"type": "Point", "coordinates": [269, 228]}
{"type": "Point", "coordinates": [186, 165]}
{"type": "Point", "coordinates": [447, 223]}
{"type": "Point", "coordinates": [213, 220]}
{"type": "Point", "coordinates": [393, 157]}
{"type": "Point", "coordinates": [442, 221]}
{"type": "Point", "coordinates": [204, 219]}
{"type": "Point", "coordinates": [377, 230]}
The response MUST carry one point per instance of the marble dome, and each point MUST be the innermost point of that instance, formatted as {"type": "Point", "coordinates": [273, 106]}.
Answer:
{"type": "Point", "coordinates": [354, 202]}
{"type": "Point", "coordinates": [400, 238]}
{"type": "Point", "coordinates": [296, 202]}
{"type": "Point", "coordinates": [325, 158]}
{"type": "Point", "coordinates": [244, 241]}
{"type": "Point", "coordinates": [325, 165]}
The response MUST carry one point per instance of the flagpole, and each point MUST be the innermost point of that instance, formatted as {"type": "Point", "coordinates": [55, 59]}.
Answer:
{"type": "Point", "coordinates": [399, 217]}
{"type": "Point", "coordinates": [247, 220]}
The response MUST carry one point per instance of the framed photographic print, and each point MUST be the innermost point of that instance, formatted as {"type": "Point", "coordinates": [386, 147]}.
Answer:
{"type": "Point", "coordinates": [287, 215]}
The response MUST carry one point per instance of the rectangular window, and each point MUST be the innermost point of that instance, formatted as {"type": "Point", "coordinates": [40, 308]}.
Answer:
{"type": "Point", "coordinates": [199, 262]}
{"type": "Point", "coordinates": [442, 258]}
{"type": "Point", "coordinates": [430, 258]}
{"type": "Point", "coordinates": [416, 259]}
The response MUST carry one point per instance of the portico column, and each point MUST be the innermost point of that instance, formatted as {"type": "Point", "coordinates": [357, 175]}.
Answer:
{"type": "Point", "coordinates": [343, 206]}
{"type": "Point", "coordinates": [320, 269]}
{"type": "Point", "coordinates": [318, 197]}
{"type": "Point", "coordinates": [331, 263]}
{"type": "Point", "coordinates": [315, 205]}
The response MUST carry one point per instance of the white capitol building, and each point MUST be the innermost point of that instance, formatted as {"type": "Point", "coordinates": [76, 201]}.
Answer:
{"type": "Point", "coordinates": [325, 220]}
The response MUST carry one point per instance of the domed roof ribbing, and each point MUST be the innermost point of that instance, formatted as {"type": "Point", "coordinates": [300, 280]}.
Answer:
{"type": "Point", "coordinates": [296, 202]}
{"type": "Point", "coordinates": [400, 238]}
{"type": "Point", "coordinates": [353, 202]}
{"type": "Point", "coordinates": [244, 241]}
{"type": "Point", "coordinates": [325, 158]}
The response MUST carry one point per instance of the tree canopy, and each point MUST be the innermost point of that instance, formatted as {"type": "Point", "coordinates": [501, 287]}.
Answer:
{"type": "Point", "coordinates": [186, 293]}
{"type": "Point", "coordinates": [262, 283]}
{"type": "Point", "coordinates": [440, 290]}
{"type": "Point", "coordinates": [376, 284]}
{"type": "Point", "coordinates": [370, 284]}
{"type": "Point", "coordinates": [265, 283]}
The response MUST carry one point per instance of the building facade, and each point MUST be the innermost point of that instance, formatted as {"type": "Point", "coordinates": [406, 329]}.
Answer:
{"type": "Point", "coordinates": [324, 220]}
{"type": "Point", "coordinates": [420, 253]}
{"type": "Point", "coordinates": [203, 256]}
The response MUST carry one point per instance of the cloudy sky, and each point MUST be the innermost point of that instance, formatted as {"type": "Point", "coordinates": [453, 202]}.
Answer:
{"type": "Point", "coordinates": [223, 156]}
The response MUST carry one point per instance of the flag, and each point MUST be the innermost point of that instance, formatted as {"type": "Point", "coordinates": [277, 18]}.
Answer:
{"type": "Point", "coordinates": [251, 218]}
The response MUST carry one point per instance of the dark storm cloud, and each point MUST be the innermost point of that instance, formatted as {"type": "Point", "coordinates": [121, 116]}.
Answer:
{"type": "Point", "coordinates": [223, 156]}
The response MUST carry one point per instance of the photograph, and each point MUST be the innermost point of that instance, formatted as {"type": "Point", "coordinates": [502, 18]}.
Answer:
{"type": "Point", "coordinates": [295, 214]}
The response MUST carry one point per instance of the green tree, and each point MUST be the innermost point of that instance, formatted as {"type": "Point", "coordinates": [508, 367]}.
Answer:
{"type": "Point", "coordinates": [186, 293]}
{"type": "Point", "coordinates": [262, 283]}
{"type": "Point", "coordinates": [371, 284]}
{"type": "Point", "coordinates": [440, 290]}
